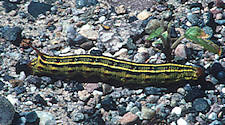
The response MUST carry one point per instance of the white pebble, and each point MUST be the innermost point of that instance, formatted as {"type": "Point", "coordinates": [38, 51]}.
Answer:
{"type": "Point", "coordinates": [176, 110]}
{"type": "Point", "coordinates": [96, 92]}
{"type": "Point", "coordinates": [65, 50]}
{"type": "Point", "coordinates": [22, 76]}
{"type": "Point", "coordinates": [181, 121]}
{"type": "Point", "coordinates": [12, 100]}
{"type": "Point", "coordinates": [212, 116]}
{"type": "Point", "coordinates": [223, 90]}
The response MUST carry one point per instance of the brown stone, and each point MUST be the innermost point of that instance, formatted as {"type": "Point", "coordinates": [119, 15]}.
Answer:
{"type": "Point", "coordinates": [128, 118]}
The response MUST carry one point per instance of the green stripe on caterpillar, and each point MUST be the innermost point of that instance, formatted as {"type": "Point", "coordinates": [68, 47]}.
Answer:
{"type": "Point", "coordinates": [89, 68]}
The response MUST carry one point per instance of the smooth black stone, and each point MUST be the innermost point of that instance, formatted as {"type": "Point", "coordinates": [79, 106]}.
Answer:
{"type": "Point", "coordinates": [85, 3]}
{"type": "Point", "coordinates": [40, 100]}
{"type": "Point", "coordinates": [9, 6]}
{"type": "Point", "coordinates": [200, 105]}
{"type": "Point", "coordinates": [1, 85]}
{"type": "Point", "coordinates": [108, 104]}
{"type": "Point", "coordinates": [78, 40]}
{"type": "Point", "coordinates": [31, 117]}
{"type": "Point", "coordinates": [36, 8]}
{"type": "Point", "coordinates": [193, 94]}
{"type": "Point", "coordinates": [13, 35]}
{"type": "Point", "coordinates": [215, 68]}
{"type": "Point", "coordinates": [96, 53]}
{"type": "Point", "coordinates": [19, 90]}
{"type": "Point", "coordinates": [221, 76]}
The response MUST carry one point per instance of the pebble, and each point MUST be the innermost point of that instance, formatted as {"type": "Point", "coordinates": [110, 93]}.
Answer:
{"type": "Point", "coordinates": [13, 34]}
{"type": "Point", "coordinates": [152, 26]}
{"type": "Point", "coordinates": [209, 31]}
{"type": "Point", "coordinates": [45, 118]}
{"type": "Point", "coordinates": [9, 6]}
{"type": "Point", "coordinates": [147, 113]}
{"type": "Point", "coordinates": [6, 111]}
{"type": "Point", "coordinates": [128, 118]}
{"type": "Point", "coordinates": [120, 9]}
{"type": "Point", "coordinates": [87, 45]}
{"type": "Point", "coordinates": [108, 103]}
{"type": "Point", "coordinates": [180, 51]}
{"type": "Point", "coordinates": [19, 90]}
{"type": "Point", "coordinates": [88, 32]}
{"type": "Point", "coordinates": [90, 87]}
{"type": "Point", "coordinates": [77, 117]}
{"type": "Point", "coordinates": [2, 84]}
{"type": "Point", "coordinates": [193, 94]}
{"type": "Point", "coordinates": [83, 95]}
{"type": "Point", "coordinates": [40, 100]}
{"type": "Point", "coordinates": [200, 105]}
{"type": "Point", "coordinates": [176, 110]}
{"type": "Point", "coordinates": [134, 110]}
{"type": "Point", "coordinates": [193, 18]}
{"type": "Point", "coordinates": [31, 117]}
{"type": "Point", "coordinates": [13, 100]}
{"type": "Point", "coordinates": [85, 3]}
{"type": "Point", "coordinates": [41, 7]}
{"type": "Point", "coordinates": [181, 121]}
{"type": "Point", "coordinates": [145, 14]}
{"type": "Point", "coordinates": [212, 116]}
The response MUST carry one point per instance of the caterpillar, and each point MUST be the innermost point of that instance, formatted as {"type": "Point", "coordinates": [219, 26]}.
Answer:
{"type": "Point", "coordinates": [89, 68]}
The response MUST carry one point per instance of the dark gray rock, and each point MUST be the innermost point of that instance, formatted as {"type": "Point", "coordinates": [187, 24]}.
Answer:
{"type": "Point", "coordinates": [31, 117]}
{"type": "Point", "coordinates": [153, 91]}
{"type": "Point", "coordinates": [193, 94]}
{"type": "Point", "coordinates": [6, 111]}
{"type": "Point", "coordinates": [2, 84]}
{"type": "Point", "coordinates": [85, 3]}
{"type": "Point", "coordinates": [208, 18]}
{"type": "Point", "coordinates": [40, 100]}
{"type": "Point", "coordinates": [19, 90]}
{"type": "Point", "coordinates": [108, 103]}
{"type": "Point", "coordinates": [13, 35]}
{"type": "Point", "coordinates": [9, 6]}
{"type": "Point", "coordinates": [36, 8]}
{"type": "Point", "coordinates": [200, 105]}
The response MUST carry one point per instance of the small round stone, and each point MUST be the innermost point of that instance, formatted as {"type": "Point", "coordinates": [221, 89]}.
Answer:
{"type": "Point", "coordinates": [181, 121]}
{"type": "Point", "coordinates": [200, 105]}
{"type": "Point", "coordinates": [176, 110]}
{"type": "Point", "coordinates": [212, 116]}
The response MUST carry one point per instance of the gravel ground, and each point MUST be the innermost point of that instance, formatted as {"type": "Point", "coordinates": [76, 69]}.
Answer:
{"type": "Point", "coordinates": [119, 29]}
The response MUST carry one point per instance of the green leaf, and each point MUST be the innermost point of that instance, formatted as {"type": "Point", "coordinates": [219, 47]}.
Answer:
{"type": "Point", "coordinates": [156, 33]}
{"type": "Point", "coordinates": [197, 35]}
